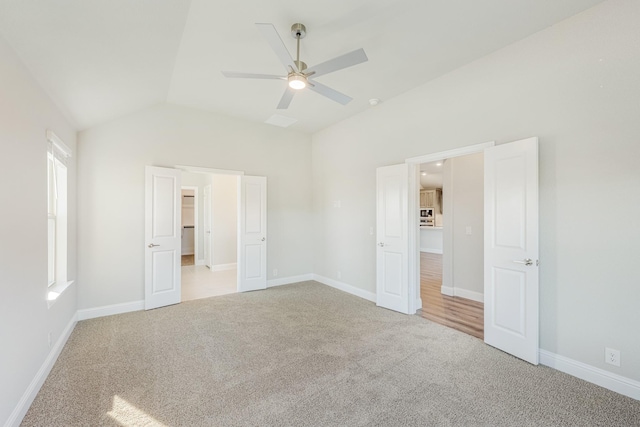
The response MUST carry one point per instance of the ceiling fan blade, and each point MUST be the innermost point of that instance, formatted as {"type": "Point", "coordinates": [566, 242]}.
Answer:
{"type": "Point", "coordinates": [233, 74]}
{"type": "Point", "coordinates": [273, 38]}
{"type": "Point", "coordinates": [330, 93]}
{"type": "Point", "coordinates": [287, 96]}
{"type": "Point", "coordinates": [347, 60]}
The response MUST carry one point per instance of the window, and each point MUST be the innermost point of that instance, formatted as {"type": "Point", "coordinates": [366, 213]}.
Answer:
{"type": "Point", "coordinates": [57, 157]}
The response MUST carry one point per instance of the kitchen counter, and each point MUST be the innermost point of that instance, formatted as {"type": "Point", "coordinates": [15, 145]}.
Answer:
{"type": "Point", "coordinates": [431, 239]}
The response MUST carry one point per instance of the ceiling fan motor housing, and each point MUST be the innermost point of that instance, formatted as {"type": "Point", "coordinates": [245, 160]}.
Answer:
{"type": "Point", "coordinates": [298, 31]}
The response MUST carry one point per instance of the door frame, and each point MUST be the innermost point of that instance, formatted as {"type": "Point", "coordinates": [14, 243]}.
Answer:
{"type": "Point", "coordinates": [415, 302]}
{"type": "Point", "coordinates": [196, 229]}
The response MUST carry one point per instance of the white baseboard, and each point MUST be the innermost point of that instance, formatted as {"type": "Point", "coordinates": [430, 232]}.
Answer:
{"type": "Point", "coordinates": [431, 250]}
{"type": "Point", "coordinates": [418, 303]}
{"type": "Point", "coordinates": [108, 310]}
{"type": "Point", "coordinates": [221, 267]}
{"type": "Point", "coordinates": [370, 296]}
{"type": "Point", "coordinates": [36, 383]}
{"type": "Point", "coordinates": [606, 379]}
{"type": "Point", "coordinates": [446, 290]}
{"type": "Point", "coordinates": [288, 280]}
{"type": "Point", "coordinates": [462, 293]}
{"type": "Point", "coordinates": [201, 262]}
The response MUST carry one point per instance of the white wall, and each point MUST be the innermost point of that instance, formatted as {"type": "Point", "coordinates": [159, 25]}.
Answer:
{"type": "Point", "coordinates": [26, 113]}
{"type": "Point", "coordinates": [464, 194]}
{"type": "Point", "coordinates": [225, 219]}
{"type": "Point", "coordinates": [431, 240]}
{"type": "Point", "coordinates": [111, 190]}
{"type": "Point", "coordinates": [574, 85]}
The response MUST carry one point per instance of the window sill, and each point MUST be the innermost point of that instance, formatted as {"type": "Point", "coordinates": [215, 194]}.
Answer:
{"type": "Point", "coordinates": [55, 291]}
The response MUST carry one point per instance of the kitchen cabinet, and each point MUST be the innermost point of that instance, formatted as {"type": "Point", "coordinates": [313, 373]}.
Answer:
{"type": "Point", "coordinates": [427, 198]}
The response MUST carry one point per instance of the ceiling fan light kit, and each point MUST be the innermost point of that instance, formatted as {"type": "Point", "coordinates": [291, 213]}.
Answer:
{"type": "Point", "coordinates": [297, 81]}
{"type": "Point", "coordinates": [298, 75]}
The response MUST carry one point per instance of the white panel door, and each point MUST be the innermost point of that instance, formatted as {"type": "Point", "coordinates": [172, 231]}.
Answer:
{"type": "Point", "coordinates": [252, 247]}
{"type": "Point", "coordinates": [511, 248]}
{"type": "Point", "coordinates": [162, 237]}
{"type": "Point", "coordinates": [392, 275]}
{"type": "Point", "coordinates": [208, 256]}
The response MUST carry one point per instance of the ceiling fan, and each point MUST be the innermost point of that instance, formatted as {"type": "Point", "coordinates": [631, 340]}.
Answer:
{"type": "Point", "coordinates": [298, 75]}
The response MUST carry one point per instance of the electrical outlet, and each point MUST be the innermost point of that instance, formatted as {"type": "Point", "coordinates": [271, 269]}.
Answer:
{"type": "Point", "coordinates": [370, 231]}
{"type": "Point", "coordinates": [339, 275]}
{"type": "Point", "coordinates": [468, 230]}
{"type": "Point", "coordinates": [612, 356]}
{"type": "Point", "coordinates": [275, 272]}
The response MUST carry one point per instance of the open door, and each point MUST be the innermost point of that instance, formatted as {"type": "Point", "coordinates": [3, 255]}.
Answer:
{"type": "Point", "coordinates": [207, 227]}
{"type": "Point", "coordinates": [392, 263]}
{"type": "Point", "coordinates": [511, 248]}
{"type": "Point", "coordinates": [162, 237]}
{"type": "Point", "coordinates": [252, 245]}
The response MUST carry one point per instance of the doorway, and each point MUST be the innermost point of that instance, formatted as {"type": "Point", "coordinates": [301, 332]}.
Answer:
{"type": "Point", "coordinates": [189, 231]}
{"type": "Point", "coordinates": [210, 224]}
{"type": "Point", "coordinates": [162, 225]}
{"type": "Point", "coordinates": [510, 242]}
{"type": "Point", "coordinates": [453, 298]}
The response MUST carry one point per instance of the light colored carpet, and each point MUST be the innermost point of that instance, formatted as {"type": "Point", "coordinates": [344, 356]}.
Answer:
{"type": "Point", "coordinates": [303, 355]}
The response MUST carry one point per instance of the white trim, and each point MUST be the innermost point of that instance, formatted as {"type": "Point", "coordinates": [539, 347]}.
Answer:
{"type": "Point", "coordinates": [413, 239]}
{"type": "Point", "coordinates": [472, 295]}
{"type": "Point", "coordinates": [222, 267]}
{"type": "Point", "coordinates": [462, 293]}
{"type": "Point", "coordinates": [418, 304]}
{"type": "Point", "coordinates": [369, 296]}
{"type": "Point", "coordinates": [36, 383]}
{"type": "Point", "coordinates": [196, 169]}
{"type": "Point", "coordinates": [431, 250]}
{"type": "Point", "coordinates": [288, 280]}
{"type": "Point", "coordinates": [60, 145]}
{"type": "Point", "coordinates": [55, 291]}
{"type": "Point", "coordinates": [456, 152]}
{"type": "Point", "coordinates": [108, 310]}
{"type": "Point", "coordinates": [614, 382]}
{"type": "Point", "coordinates": [201, 262]}
{"type": "Point", "coordinates": [446, 290]}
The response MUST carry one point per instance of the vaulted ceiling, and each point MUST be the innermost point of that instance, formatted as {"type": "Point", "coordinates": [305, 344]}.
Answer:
{"type": "Point", "coordinates": [100, 60]}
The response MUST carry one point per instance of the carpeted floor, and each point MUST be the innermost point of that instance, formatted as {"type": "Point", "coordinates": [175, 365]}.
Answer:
{"type": "Point", "coordinates": [303, 355]}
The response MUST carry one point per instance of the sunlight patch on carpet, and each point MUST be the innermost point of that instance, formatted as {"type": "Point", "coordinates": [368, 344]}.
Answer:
{"type": "Point", "coordinates": [128, 415]}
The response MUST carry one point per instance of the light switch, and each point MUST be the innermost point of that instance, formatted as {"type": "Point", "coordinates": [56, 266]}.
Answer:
{"type": "Point", "coordinates": [468, 230]}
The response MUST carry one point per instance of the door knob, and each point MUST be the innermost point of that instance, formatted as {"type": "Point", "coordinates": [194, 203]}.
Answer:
{"type": "Point", "coordinates": [381, 244]}
{"type": "Point", "coordinates": [527, 261]}
{"type": "Point", "coordinates": [263, 239]}
{"type": "Point", "coordinates": [150, 245]}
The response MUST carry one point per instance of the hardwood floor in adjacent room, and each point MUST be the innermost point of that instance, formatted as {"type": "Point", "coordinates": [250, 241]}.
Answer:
{"type": "Point", "coordinates": [458, 313]}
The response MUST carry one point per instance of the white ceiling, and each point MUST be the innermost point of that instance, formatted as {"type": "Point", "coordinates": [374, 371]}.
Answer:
{"type": "Point", "coordinates": [431, 175]}
{"type": "Point", "coordinates": [103, 59]}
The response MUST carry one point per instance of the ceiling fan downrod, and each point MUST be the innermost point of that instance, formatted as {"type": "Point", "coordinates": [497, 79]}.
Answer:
{"type": "Point", "coordinates": [298, 31]}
